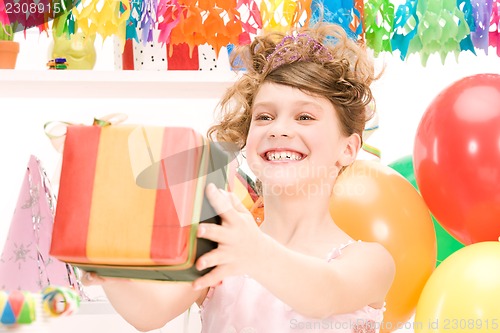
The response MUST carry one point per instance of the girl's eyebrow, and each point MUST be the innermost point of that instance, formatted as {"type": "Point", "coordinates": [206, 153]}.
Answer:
{"type": "Point", "coordinates": [315, 106]}
{"type": "Point", "coordinates": [299, 104]}
{"type": "Point", "coordinates": [266, 106]}
{"type": "Point", "coordinates": [263, 104]}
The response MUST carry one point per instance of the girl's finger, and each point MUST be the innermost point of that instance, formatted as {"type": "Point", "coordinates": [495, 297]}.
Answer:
{"type": "Point", "coordinates": [210, 259]}
{"type": "Point", "coordinates": [221, 203]}
{"type": "Point", "coordinates": [213, 232]}
{"type": "Point", "coordinates": [212, 278]}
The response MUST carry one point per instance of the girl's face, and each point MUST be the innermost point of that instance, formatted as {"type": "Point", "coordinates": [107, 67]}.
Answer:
{"type": "Point", "coordinates": [294, 143]}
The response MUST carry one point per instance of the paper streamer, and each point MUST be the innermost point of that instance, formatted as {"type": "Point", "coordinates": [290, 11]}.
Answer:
{"type": "Point", "coordinates": [357, 24]}
{"type": "Point", "coordinates": [189, 29]}
{"type": "Point", "coordinates": [494, 35]}
{"type": "Point", "coordinates": [417, 26]}
{"type": "Point", "coordinates": [17, 307]}
{"type": "Point", "coordinates": [106, 18]}
{"type": "Point", "coordinates": [466, 7]}
{"type": "Point", "coordinates": [251, 25]}
{"type": "Point", "coordinates": [441, 29]}
{"type": "Point", "coordinates": [379, 17]}
{"type": "Point", "coordinates": [216, 22]}
{"type": "Point", "coordinates": [168, 16]}
{"type": "Point", "coordinates": [481, 10]}
{"type": "Point", "coordinates": [280, 15]}
{"type": "Point", "coordinates": [405, 27]}
{"type": "Point", "coordinates": [132, 21]}
{"type": "Point", "coordinates": [64, 24]}
{"type": "Point", "coordinates": [341, 12]}
{"type": "Point", "coordinates": [4, 19]}
{"type": "Point", "coordinates": [148, 20]}
{"type": "Point", "coordinates": [23, 15]}
{"type": "Point", "coordinates": [217, 32]}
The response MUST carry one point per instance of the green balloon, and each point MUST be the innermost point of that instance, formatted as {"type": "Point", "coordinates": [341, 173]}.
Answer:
{"type": "Point", "coordinates": [446, 243]}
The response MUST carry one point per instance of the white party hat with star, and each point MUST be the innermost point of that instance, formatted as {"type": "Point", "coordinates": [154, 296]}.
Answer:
{"type": "Point", "coordinates": [25, 263]}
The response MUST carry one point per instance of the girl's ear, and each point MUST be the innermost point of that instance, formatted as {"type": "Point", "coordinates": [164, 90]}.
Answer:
{"type": "Point", "coordinates": [350, 149]}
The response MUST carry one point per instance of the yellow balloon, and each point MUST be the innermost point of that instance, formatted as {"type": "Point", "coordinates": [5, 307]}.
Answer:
{"type": "Point", "coordinates": [463, 293]}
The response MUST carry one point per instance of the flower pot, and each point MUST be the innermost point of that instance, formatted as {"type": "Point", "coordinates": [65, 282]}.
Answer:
{"type": "Point", "coordinates": [8, 54]}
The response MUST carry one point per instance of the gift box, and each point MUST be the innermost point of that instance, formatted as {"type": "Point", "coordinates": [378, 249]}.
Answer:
{"type": "Point", "coordinates": [131, 198]}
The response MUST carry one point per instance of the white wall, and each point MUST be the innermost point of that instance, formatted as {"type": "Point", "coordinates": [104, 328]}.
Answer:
{"type": "Point", "coordinates": [402, 94]}
{"type": "Point", "coordinates": [406, 89]}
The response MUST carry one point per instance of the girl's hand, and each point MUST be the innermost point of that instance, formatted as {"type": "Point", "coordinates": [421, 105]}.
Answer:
{"type": "Point", "coordinates": [241, 243]}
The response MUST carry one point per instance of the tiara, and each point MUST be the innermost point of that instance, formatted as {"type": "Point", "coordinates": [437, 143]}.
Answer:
{"type": "Point", "coordinates": [300, 47]}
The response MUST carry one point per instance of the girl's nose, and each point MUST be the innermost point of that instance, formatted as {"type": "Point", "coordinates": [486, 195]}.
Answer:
{"type": "Point", "coordinates": [280, 128]}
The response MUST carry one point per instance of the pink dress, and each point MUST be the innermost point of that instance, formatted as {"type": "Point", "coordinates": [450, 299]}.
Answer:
{"type": "Point", "coordinates": [242, 305]}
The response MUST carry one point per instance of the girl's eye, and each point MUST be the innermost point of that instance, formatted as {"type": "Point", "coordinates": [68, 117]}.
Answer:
{"type": "Point", "coordinates": [263, 117]}
{"type": "Point", "coordinates": [305, 117]}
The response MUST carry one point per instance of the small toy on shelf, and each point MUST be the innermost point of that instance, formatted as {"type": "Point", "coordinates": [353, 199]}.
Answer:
{"type": "Point", "coordinates": [57, 63]}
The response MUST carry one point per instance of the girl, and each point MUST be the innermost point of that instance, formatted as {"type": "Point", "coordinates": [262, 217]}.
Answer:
{"type": "Point", "coordinates": [298, 112]}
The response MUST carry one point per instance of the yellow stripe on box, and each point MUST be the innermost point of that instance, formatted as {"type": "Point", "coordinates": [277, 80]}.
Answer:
{"type": "Point", "coordinates": [121, 236]}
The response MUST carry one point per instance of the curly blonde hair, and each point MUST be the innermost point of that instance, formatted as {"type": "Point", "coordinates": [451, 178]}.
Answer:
{"type": "Point", "coordinates": [319, 60]}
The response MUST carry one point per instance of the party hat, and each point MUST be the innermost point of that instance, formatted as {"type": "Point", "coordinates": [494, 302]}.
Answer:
{"type": "Point", "coordinates": [25, 263]}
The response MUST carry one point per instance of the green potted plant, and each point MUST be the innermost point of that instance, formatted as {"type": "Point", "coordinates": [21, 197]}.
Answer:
{"type": "Point", "coordinates": [8, 47]}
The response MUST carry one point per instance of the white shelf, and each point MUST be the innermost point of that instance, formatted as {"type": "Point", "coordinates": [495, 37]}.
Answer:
{"type": "Point", "coordinates": [114, 84]}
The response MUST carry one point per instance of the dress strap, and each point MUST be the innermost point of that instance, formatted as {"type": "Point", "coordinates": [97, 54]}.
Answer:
{"type": "Point", "coordinates": [337, 251]}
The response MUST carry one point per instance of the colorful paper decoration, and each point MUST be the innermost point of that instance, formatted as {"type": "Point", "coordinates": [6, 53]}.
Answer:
{"type": "Point", "coordinates": [4, 18]}
{"type": "Point", "coordinates": [466, 7]}
{"type": "Point", "coordinates": [133, 20]}
{"type": "Point", "coordinates": [282, 14]}
{"type": "Point", "coordinates": [25, 263]}
{"type": "Point", "coordinates": [494, 35]}
{"type": "Point", "coordinates": [379, 17]}
{"type": "Point", "coordinates": [148, 19]}
{"type": "Point", "coordinates": [64, 24]}
{"type": "Point", "coordinates": [343, 13]}
{"type": "Point", "coordinates": [251, 25]}
{"type": "Point", "coordinates": [441, 28]}
{"type": "Point", "coordinates": [105, 18]}
{"type": "Point", "coordinates": [406, 22]}
{"type": "Point", "coordinates": [481, 10]}
{"type": "Point", "coordinates": [16, 307]}
{"type": "Point", "coordinates": [417, 26]}
{"type": "Point", "coordinates": [58, 301]}
{"type": "Point", "coordinates": [19, 307]}
{"type": "Point", "coordinates": [357, 24]}
{"type": "Point", "coordinates": [169, 15]}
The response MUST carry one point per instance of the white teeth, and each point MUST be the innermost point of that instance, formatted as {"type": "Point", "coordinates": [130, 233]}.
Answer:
{"type": "Point", "coordinates": [284, 155]}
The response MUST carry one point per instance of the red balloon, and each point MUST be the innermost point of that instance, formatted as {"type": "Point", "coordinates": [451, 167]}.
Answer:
{"type": "Point", "coordinates": [457, 158]}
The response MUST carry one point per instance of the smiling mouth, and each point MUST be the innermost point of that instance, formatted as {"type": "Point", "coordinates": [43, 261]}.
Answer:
{"type": "Point", "coordinates": [283, 156]}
